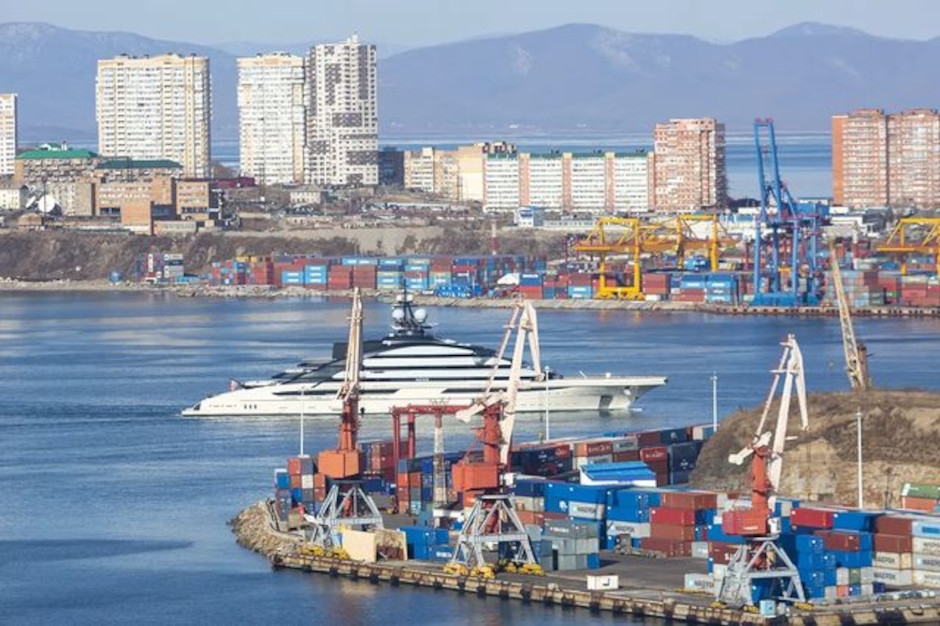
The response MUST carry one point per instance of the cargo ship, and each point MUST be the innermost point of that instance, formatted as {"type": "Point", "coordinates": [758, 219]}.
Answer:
{"type": "Point", "coordinates": [413, 366]}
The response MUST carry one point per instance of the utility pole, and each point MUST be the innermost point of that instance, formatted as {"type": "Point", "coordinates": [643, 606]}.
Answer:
{"type": "Point", "coordinates": [714, 380]}
{"type": "Point", "coordinates": [858, 424]}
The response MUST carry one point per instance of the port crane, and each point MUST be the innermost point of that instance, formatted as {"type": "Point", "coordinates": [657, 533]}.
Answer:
{"type": "Point", "coordinates": [856, 353]}
{"type": "Point", "coordinates": [634, 237]}
{"type": "Point", "coordinates": [760, 560]}
{"type": "Point", "coordinates": [783, 224]}
{"type": "Point", "coordinates": [914, 235]}
{"type": "Point", "coordinates": [493, 518]}
{"type": "Point", "coordinates": [346, 504]}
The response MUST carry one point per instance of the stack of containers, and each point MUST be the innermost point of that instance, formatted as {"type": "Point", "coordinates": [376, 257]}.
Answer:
{"type": "Point", "coordinates": [628, 514]}
{"type": "Point", "coordinates": [575, 545]}
{"type": "Point", "coordinates": [340, 277]}
{"type": "Point", "coordinates": [889, 281]}
{"type": "Point", "coordinates": [417, 275]}
{"type": "Point", "coordinates": [844, 537]}
{"type": "Point", "coordinates": [388, 276]}
{"type": "Point", "coordinates": [681, 519]}
{"type": "Point", "coordinates": [580, 287]}
{"type": "Point", "coordinates": [656, 285]}
{"type": "Point", "coordinates": [364, 275]}
{"type": "Point", "coordinates": [530, 286]}
{"type": "Point", "coordinates": [423, 542]}
{"type": "Point", "coordinates": [378, 459]}
{"type": "Point", "coordinates": [408, 483]}
{"type": "Point", "coordinates": [440, 273]}
{"type": "Point", "coordinates": [316, 273]}
{"type": "Point", "coordinates": [585, 503]}
{"type": "Point", "coordinates": [893, 558]}
{"type": "Point", "coordinates": [173, 267]}
{"type": "Point", "coordinates": [549, 459]}
{"type": "Point", "coordinates": [926, 552]}
{"type": "Point", "coordinates": [283, 500]}
{"type": "Point", "coordinates": [690, 288]}
{"type": "Point", "coordinates": [292, 277]}
{"type": "Point", "coordinates": [920, 497]}
{"type": "Point", "coordinates": [261, 272]}
{"type": "Point", "coordinates": [721, 288]}
{"type": "Point", "coordinates": [593, 452]}
{"type": "Point", "coordinates": [530, 500]}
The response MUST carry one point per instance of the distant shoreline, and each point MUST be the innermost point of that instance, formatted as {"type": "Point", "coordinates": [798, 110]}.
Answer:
{"type": "Point", "coordinates": [270, 292]}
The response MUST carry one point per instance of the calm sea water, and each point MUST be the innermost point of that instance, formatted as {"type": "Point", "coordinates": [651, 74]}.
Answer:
{"type": "Point", "coordinates": [113, 509]}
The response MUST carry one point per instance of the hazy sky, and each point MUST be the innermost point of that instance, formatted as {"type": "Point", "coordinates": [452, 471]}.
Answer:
{"type": "Point", "coordinates": [417, 22]}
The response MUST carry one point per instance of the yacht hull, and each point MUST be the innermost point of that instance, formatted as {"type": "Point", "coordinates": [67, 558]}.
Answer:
{"type": "Point", "coordinates": [609, 393]}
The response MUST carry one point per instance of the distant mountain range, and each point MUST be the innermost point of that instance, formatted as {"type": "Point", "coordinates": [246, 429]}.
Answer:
{"type": "Point", "coordinates": [577, 79]}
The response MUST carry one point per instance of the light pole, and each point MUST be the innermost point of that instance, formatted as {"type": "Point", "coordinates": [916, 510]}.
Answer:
{"type": "Point", "coordinates": [546, 422]}
{"type": "Point", "coordinates": [714, 379]}
{"type": "Point", "coordinates": [301, 421]}
{"type": "Point", "coordinates": [858, 426]}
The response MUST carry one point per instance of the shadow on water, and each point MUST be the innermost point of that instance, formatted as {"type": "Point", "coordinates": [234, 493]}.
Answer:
{"type": "Point", "coordinates": [71, 549]}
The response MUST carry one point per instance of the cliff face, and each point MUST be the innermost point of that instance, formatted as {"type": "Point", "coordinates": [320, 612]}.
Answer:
{"type": "Point", "coordinates": [900, 434]}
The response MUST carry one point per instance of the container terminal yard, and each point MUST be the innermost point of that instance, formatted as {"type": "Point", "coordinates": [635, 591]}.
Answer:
{"type": "Point", "coordinates": [607, 523]}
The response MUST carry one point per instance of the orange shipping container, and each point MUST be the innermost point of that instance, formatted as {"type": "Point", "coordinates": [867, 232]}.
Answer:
{"type": "Point", "coordinates": [339, 463]}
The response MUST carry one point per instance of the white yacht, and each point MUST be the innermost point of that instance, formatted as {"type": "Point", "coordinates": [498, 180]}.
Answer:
{"type": "Point", "coordinates": [412, 366]}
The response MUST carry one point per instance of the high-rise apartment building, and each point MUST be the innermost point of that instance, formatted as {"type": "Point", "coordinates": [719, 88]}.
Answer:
{"type": "Point", "coordinates": [597, 182]}
{"type": "Point", "coordinates": [689, 166]}
{"type": "Point", "coordinates": [272, 118]}
{"type": "Point", "coordinates": [881, 160]}
{"type": "Point", "coordinates": [7, 133]}
{"type": "Point", "coordinates": [860, 158]}
{"type": "Point", "coordinates": [155, 108]}
{"type": "Point", "coordinates": [342, 117]}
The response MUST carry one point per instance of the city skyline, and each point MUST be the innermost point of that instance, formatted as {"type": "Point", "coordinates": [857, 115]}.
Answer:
{"type": "Point", "coordinates": [426, 22]}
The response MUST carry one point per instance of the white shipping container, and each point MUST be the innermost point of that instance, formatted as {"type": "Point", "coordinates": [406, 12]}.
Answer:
{"type": "Point", "coordinates": [306, 481]}
{"type": "Point", "coordinates": [699, 549]}
{"type": "Point", "coordinates": [831, 592]}
{"type": "Point", "coordinates": [926, 579]}
{"type": "Point", "coordinates": [529, 503]}
{"type": "Point", "coordinates": [926, 562]}
{"type": "Point", "coordinates": [890, 560]}
{"type": "Point", "coordinates": [867, 575]}
{"type": "Point", "coordinates": [868, 589]}
{"type": "Point", "coordinates": [634, 529]}
{"type": "Point", "coordinates": [700, 582]}
{"type": "Point", "coordinates": [718, 571]}
{"type": "Point", "coordinates": [842, 575]}
{"type": "Point", "coordinates": [580, 461]}
{"type": "Point", "coordinates": [599, 583]}
{"type": "Point", "coordinates": [922, 545]}
{"type": "Point", "coordinates": [626, 443]}
{"type": "Point", "coordinates": [893, 577]}
{"type": "Point", "coordinates": [586, 510]}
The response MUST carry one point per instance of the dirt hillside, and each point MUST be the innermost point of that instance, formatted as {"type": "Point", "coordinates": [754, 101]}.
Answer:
{"type": "Point", "coordinates": [83, 256]}
{"type": "Point", "coordinates": [900, 433]}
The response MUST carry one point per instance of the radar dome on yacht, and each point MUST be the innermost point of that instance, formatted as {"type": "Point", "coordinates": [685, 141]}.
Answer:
{"type": "Point", "coordinates": [398, 315]}
{"type": "Point", "coordinates": [421, 315]}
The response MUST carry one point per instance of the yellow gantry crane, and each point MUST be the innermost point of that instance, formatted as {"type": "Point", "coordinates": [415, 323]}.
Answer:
{"type": "Point", "coordinates": [914, 235]}
{"type": "Point", "coordinates": [632, 237]}
{"type": "Point", "coordinates": [856, 354]}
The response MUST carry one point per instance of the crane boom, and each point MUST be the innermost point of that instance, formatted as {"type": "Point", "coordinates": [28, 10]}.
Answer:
{"type": "Point", "coordinates": [856, 354]}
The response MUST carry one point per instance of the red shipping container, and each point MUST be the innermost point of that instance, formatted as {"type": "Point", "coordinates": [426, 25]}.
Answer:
{"type": "Point", "coordinates": [889, 525]}
{"type": "Point", "coordinates": [293, 466]}
{"type": "Point", "coordinates": [295, 481]}
{"type": "Point", "coordinates": [648, 438]}
{"type": "Point", "coordinates": [744, 522]}
{"type": "Point", "coordinates": [690, 500]}
{"type": "Point", "coordinates": [653, 455]}
{"type": "Point", "coordinates": [835, 540]}
{"type": "Point", "coordinates": [892, 543]}
{"type": "Point", "coordinates": [721, 552]}
{"type": "Point", "coordinates": [593, 448]}
{"type": "Point", "coordinates": [814, 518]}
{"type": "Point", "coordinates": [666, 515]}
{"type": "Point", "coordinates": [675, 532]}
{"type": "Point", "coordinates": [531, 517]}
{"type": "Point", "coordinates": [659, 467]}
{"type": "Point", "coordinates": [667, 547]}
{"type": "Point", "coordinates": [918, 504]}
{"type": "Point", "coordinates": [629, 455]}
{"type": "Point", "coordinates": [662, 479]}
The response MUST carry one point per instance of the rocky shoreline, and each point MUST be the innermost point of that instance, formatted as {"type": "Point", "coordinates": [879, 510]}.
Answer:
{"type": "Point", "coordinates": [253, 530]}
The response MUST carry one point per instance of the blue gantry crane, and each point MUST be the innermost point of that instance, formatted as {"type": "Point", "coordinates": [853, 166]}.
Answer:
{"type": "Point", "coordinates": [784, 225]}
